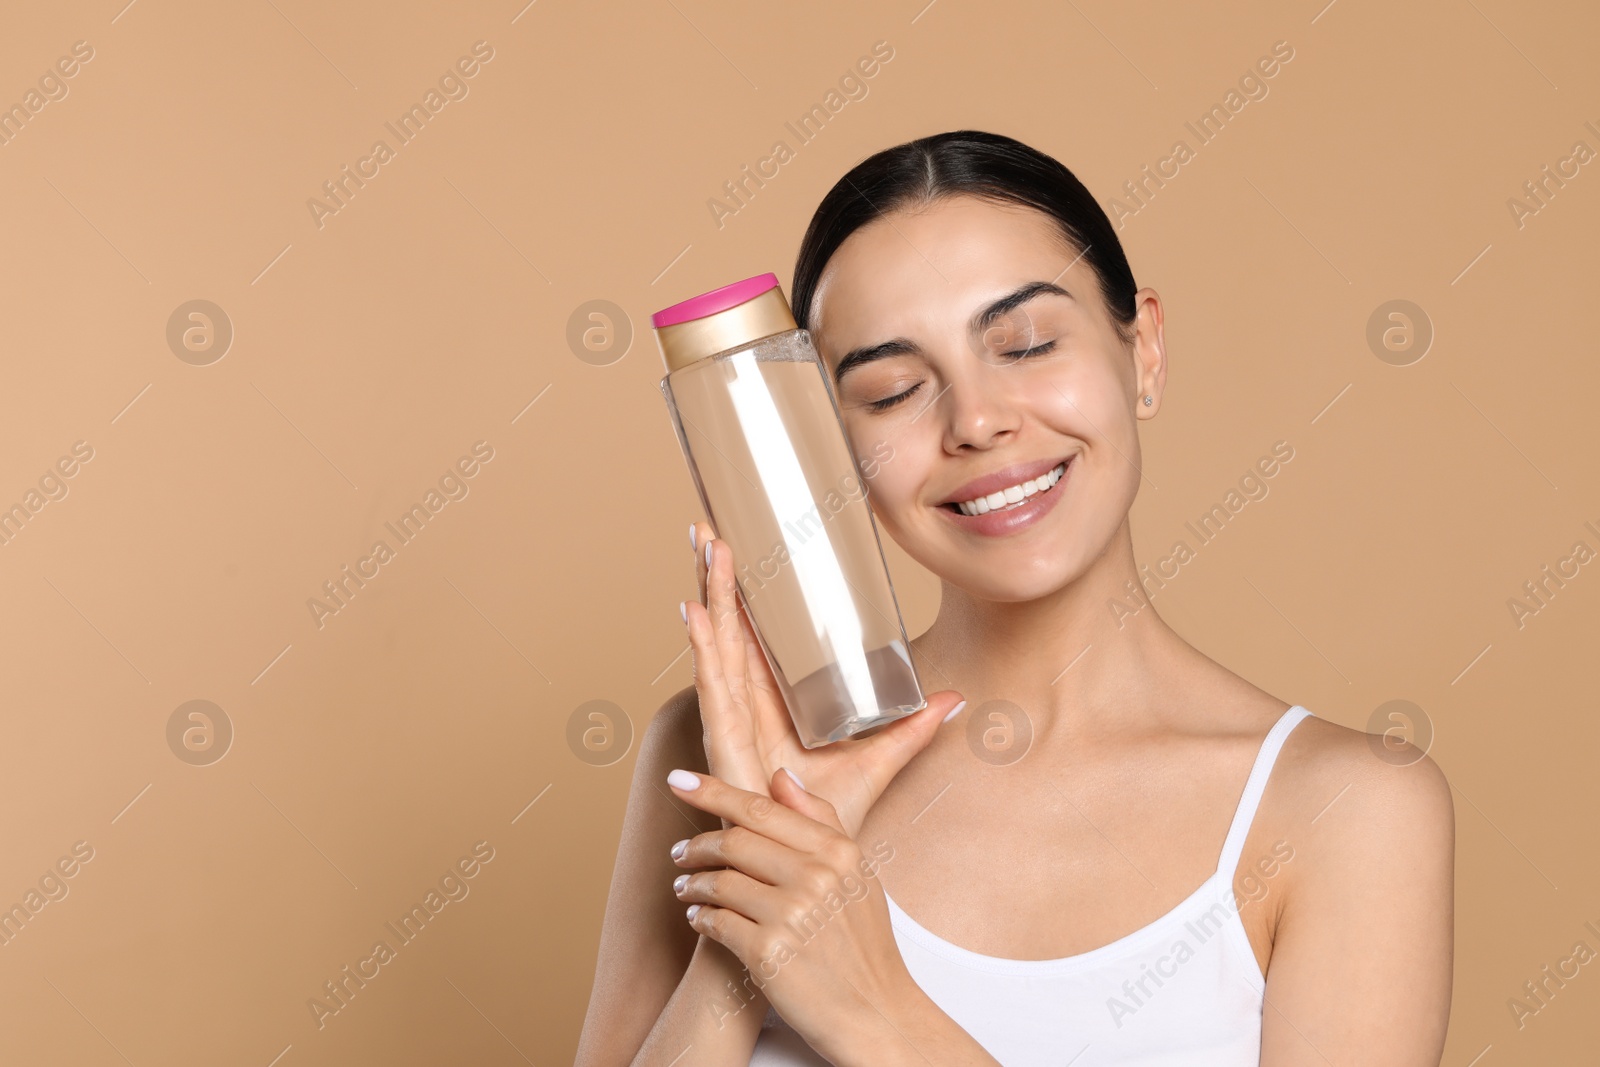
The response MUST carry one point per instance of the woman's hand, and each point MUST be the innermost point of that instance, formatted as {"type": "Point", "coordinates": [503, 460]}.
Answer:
{"type": "Point", "coordinates": [748, 731]}
{"type": "Point", "coordinates": [798, 902]}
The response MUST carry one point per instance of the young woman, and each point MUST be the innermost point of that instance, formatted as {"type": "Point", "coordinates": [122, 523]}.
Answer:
{"type": "Point", "coordinates": [1115, 850]}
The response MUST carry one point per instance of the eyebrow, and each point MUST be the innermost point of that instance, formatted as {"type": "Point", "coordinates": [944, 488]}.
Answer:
{"type": "Point", "coordinates": [980, 321]}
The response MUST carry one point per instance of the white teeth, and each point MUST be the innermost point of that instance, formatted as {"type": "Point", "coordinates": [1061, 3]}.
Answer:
{"type": "Point", "coordinates": [1013, 494]}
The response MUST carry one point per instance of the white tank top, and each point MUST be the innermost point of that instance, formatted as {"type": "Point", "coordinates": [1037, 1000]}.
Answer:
{"type": "Point", "coordinates": [1185, 989]}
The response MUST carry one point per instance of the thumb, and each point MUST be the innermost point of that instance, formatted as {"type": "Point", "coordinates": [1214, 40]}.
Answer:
{"type": "Point", "coordinates": [788, 790]}
{"type": "Point", "coordinates": [890, 749]}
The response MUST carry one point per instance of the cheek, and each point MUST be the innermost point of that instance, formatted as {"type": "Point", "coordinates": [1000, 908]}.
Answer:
{"type": "Point", "coordinates": [889, 464]}
{"type": "Point", "coordinates": [1089, 402]}
{"type": "Point", "coordinates": [1086, 394]}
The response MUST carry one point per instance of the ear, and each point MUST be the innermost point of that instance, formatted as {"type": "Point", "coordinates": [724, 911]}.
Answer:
{"type": "Point", "coordinates": [1149, 352]}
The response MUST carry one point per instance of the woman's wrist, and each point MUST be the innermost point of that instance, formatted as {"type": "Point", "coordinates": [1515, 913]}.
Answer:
{"type": "Point", "coordinates": [705, 1015]}
{"type": "Point", "coordinates": [728, 993]}
{"type": "Point", "coordinates": [908, 1029]}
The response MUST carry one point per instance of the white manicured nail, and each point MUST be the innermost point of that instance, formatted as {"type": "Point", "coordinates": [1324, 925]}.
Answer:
{"type": "Point", "coordinates": [684, 780]}
{"type": "Point", "coordinates": [680, 848]}
{"type": "Point", "coordinates": [679, 882]}
{"type": "Point", "coordinates": [708, 554]}
{"type": "Point", "coordinates": [692, 909]}
{"type": "Point", "coordinates": [795, 777]}
{"type": "Point", "coordinates": [693, 544]}
{"type": "Point", "coordinates": [955, 711]}
{"type": "Point", "coordinates": [683, 609]}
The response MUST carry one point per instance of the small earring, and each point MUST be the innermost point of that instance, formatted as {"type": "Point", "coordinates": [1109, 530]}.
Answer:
{"type": "Point", "coordinates": [1148, 400]}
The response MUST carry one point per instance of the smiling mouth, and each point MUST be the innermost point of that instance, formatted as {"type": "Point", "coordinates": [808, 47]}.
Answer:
{"type": "Point", "coordinates": [1012, 497]}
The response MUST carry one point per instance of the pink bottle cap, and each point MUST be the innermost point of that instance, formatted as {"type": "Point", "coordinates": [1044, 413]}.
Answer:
{"type": "Point", "coordinates": [698, 307]}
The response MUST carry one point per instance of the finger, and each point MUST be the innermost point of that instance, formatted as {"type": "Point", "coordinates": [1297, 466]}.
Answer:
{"type": "Point", "coordinates": [757, 669]}
{"type": "Point", "coordinates": [729, 737]}
{"type": "Point", "coordinates": [753, 811]}
{"type": "Point", "coordinates": [744, 850]}
{"type": "Point", "coordinates": [727, 928]}
{"type": "Point", "coordinates": [747, 851]}
{"type": "Point", "coordinates": [734, 890]}
{"type": "Point", "coordinates": [770, 715]}
{"type": "Point", "coordinates": [716, 706]}
{"type": "Point", "coordinates": [723, 606]}
{"type": "Point", "coordinates": [790, 791]}
{"type": "Point", "coordinates": [702, 533]}
{"type": "Point", "coordinates": [886, 752]}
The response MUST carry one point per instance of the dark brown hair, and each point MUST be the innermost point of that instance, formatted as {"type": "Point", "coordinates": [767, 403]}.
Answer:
{"type": "Point", "coordinates": [971, 163]}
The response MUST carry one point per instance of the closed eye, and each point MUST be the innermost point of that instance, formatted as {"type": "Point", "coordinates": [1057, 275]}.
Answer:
{"type": "Point", "coordinates": [1036, 350]}
{"type": "Point", "coordinates": [889, 402]}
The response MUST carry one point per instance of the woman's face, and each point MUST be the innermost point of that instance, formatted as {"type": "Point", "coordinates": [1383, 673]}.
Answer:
{"type": "Point", "coordinates": [991, 391]}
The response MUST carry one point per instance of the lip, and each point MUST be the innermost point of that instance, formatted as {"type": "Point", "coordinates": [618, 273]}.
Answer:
{"type": "Point", "coordinates": [1010, 520]}
{"type": "Point", "coordinates": [1015, 474]}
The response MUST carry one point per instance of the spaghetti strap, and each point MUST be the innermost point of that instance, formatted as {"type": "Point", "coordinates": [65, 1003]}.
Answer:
{"type": "Point", "coordinates": [1024, 1011]}
{"type": "Point", "coordinates": [1254, 786]}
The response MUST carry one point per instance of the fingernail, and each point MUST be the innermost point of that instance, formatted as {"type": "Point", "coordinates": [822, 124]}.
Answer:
{"type": "Point", "coordinates": [795, 777]}
{"type": "Point", "coordinates": [679, 849]}
{"type": "Point", "coordinates": [708, 553]}
{"type": "Point", "coordinates": [683, 609]}
{"type": "Point", "coordinates": [693, 544]}
{"type": "Point", "coordinates": [679, 882]}
{"type": "Point", "coordinates": [955, 711]}
{"type": "Point", "coordinates": [692, 909]}
{"type": "Point", "coordinates": [685, 780]}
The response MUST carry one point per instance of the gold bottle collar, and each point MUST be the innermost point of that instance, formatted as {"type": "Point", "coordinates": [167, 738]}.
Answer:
{"type": "Point", "coordinates": [689, 342]}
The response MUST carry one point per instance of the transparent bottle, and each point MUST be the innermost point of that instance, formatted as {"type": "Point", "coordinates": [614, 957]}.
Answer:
{"type": "Point", "coordinates": [760, 428]}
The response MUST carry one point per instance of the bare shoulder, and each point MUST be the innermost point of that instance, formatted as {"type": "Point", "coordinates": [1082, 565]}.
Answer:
{"type": "Point", "coordinates": [1361, 903]}
{"type": "Point", "coordinates": [675, 737]}
{"type": "Point", "coordinates": [1324, 764]}
{"type": "Point", "coordinates": [1363, 808]}
{"type": "Point", "coordinates": [1360, 797]}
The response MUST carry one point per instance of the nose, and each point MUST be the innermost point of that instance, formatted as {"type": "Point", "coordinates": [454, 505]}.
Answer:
{"type": "Point", "coordinates": [978, 408]}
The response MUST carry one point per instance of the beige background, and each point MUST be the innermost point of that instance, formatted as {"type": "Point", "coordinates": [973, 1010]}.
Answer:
{"type": "Point", "coordinates": [370, 353]}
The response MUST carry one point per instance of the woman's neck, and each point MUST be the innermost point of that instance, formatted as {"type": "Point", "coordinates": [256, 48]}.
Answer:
{"type": "Point", "coordinates": [1092, 650]}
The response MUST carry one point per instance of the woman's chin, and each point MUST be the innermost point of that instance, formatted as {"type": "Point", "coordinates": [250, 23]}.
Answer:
{"type": "Point", "coordinates": [1003, 570]}
{"type": "Point", "coordinates": [1010, 585]}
